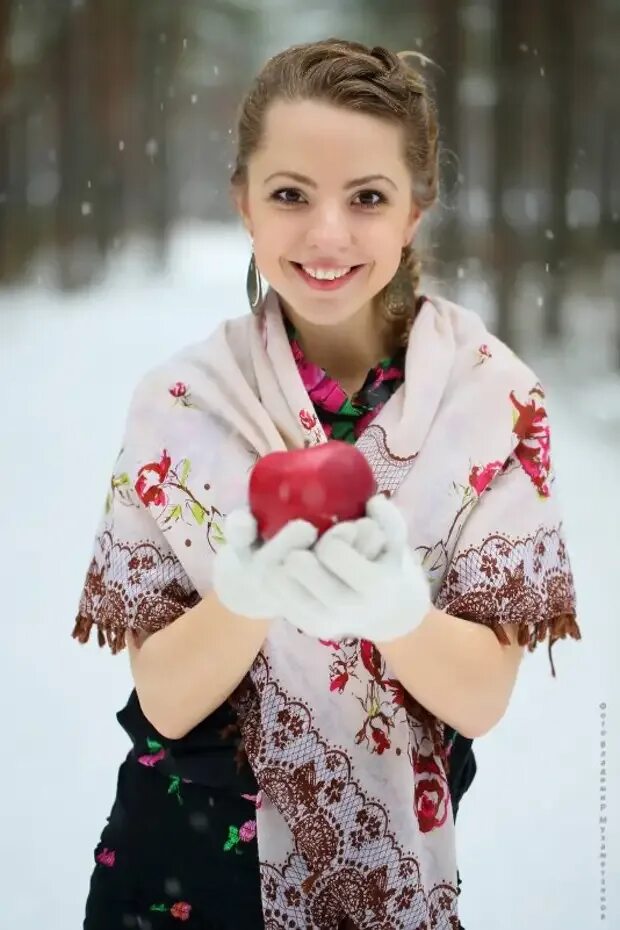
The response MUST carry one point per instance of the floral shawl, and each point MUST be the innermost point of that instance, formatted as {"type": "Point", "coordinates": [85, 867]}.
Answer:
{"type": "Point", "coordinates": [346, 760]}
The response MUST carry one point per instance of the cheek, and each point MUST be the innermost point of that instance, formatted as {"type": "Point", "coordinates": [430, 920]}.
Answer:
{"type": "Point", "coordinates": [380, 239]}
{"type": "Point", "coordinates": [272, 240]}
{"type": "Point", "coordinates": [386, 250]}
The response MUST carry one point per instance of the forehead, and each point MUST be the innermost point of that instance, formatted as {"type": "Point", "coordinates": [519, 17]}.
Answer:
{"type": "Point", "coordinates": [317, 138]}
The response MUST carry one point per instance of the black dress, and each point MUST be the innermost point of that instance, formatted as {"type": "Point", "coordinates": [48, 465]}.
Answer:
{"type": "Point", "coordinates": [179, 846]}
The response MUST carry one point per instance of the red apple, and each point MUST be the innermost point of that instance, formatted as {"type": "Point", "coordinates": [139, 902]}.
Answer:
{"type": "Point", "coordinates": [322, 484]}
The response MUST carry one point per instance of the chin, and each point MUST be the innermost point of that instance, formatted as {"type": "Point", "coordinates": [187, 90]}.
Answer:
{"type": "Point", "coordinates": [325, 315]}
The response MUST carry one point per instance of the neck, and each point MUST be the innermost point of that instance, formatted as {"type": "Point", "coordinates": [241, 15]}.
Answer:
{"type": "Point", "coordinates": [345, 350]}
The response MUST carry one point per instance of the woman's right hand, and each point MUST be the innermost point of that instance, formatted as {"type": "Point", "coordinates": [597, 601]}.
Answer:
{"type": "Point", "coordinates": [243, 567]}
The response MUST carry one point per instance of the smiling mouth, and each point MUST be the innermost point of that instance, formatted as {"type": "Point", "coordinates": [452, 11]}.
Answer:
{"type": "Point", "coordinates": [326, 284]}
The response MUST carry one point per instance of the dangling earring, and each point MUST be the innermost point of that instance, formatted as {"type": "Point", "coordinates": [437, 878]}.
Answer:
{"type": "Point", "coordinates": [253, 285]}
{"type": "Point", "coordinates": [399, 294]}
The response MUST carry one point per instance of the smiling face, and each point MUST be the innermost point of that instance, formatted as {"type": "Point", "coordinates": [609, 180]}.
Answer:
{"type": "Point", "coordinates": [328, 188]}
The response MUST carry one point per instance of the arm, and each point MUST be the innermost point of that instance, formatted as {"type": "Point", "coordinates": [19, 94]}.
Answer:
{"type": "Point", "coordinates": [509, 579]}
{"type": "Point", "coordinates": [457, 669]}
{"type": "Point", "coordinates": [186, 670]}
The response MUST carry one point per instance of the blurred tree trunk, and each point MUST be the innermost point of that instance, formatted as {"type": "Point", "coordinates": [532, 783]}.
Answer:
{"type": "Point", "coordinates": [508, 108]}
{"type": "Point", "coordinates": [449, 30]}
{"type": "Point", "coordinates": [112, 26]}
{"type": "Point", "coordinates": [610, 223]}
{"type": "Point", "coordinates": [560, 35]}
{"type": "Point", "coordinates": [159, 44]}
{"type": "Point", "coordinates": [14, 233]}
{"type": "Point", "coordinates": [6, 95]}
{"type": "Point", "coordinates": [72, 53]}
{"type": "Point", "coordinates": [609, 226]}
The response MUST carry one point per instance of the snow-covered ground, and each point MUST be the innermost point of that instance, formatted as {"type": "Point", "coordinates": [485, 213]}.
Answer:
{"type": "Point", "coordinates": [528, 831]}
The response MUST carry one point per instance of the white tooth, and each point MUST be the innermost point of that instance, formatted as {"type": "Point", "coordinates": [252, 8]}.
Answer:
{"type": "Point", "coordinates": [326, 274]}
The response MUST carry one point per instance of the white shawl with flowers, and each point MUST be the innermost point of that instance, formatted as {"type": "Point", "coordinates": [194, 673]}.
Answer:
{"type": "Point", "coordinates": [354, 820]}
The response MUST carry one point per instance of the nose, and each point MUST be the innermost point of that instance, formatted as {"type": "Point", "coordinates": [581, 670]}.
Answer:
{"type": "Point", "coordinates": [329, 229]}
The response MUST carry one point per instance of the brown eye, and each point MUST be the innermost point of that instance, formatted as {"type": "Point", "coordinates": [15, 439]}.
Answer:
{"type": "Point", "coordinates": [370, 206]}
{"type": "Point", "coordinates": [277, 196]}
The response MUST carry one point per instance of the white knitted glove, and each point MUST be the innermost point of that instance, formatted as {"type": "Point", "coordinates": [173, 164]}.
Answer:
{"type": "Point", "coordinates": [244, 567]}
{"type": "Point", "coordinates": [364, 585]}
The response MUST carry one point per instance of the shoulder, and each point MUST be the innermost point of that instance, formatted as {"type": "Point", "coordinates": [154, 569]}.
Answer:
{"type": "Point", "coordinates": [180, 379]}
{"type": "Point", "coordinates": [481, 359]}
{"type": "Point", "coordinates": [492, 398]}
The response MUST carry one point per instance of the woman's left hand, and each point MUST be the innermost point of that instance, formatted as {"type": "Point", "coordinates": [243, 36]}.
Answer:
{"type": "Point", "coordinates": [359, 580]}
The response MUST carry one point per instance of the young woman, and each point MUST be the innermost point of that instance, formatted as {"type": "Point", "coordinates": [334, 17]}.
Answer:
{"type": "Point", "coordinates": [309, 704]}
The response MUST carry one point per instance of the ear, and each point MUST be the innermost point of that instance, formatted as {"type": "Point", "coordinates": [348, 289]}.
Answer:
{"type": "Point", "coordinates": [239, 197]}
{"type": "Point", "coordinates": [414, 220]}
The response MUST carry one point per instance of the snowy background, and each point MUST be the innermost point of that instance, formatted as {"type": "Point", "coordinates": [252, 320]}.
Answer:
{"type": "Point", "coordinates": [528, 830]}
{"type": "Point", "coordinates": [117, 121]}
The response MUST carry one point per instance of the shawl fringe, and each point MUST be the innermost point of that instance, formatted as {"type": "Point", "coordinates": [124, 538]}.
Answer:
{"type": "Point", "coordinates": [558, 627]}
{"type": "Point", "coordinates": [107, 634]}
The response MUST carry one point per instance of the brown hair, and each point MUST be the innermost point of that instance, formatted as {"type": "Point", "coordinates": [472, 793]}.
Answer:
{"type": "Point", "coordinates": [368, 80]}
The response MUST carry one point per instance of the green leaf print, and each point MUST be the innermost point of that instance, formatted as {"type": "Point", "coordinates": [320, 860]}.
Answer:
{"type": "Point", "coordinates": [233, 839]}
{"type": "Point", "coordinates": [175, 787]}
{"type": "Point", "coordinates": [218, 533]}
{"type": "Point", "coordinates": [185, 470]}
{"type": "Point", "coordinates": [153, 745]}
{"type": "Point", "coordinates": [118, 481]}
{"type": "Point", "coordinates": [198, 512]}
{"type": "Point", "coordinates": [175, 513]}
{"type": "Point", "coordinates": [162, 908]}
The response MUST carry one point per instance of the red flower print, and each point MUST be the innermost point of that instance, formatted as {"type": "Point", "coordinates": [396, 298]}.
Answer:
{"type": "Point", "coordinates": [181, 910]}
{"type": "Point", "coordinates": [480, 477]}
{"type": "Point", "coordinates": [307, 420]}
{"type": "Point", "coordinates": [429, 795]}
{"type": "Point", "coordinates": [179, 389]}
{"type": "Point", "coordinates": [247, 831]}
{"type": "Point", "coordinates": [530, 420]}
{"type": "Point", "coordinates": [371, 659]}
{"type": "Point", "coordinates": [536, 463]}
{"type": "Point", "coordinates": [339, 682]}
{"type": "Point", "coordinates": [483, 354]}
{"type": "Point", "coordinates": [534, 449]}
{"type": "Point", "coordinates": [150, 479]}
{"type": "Point", "coordinates": [106, 857]}
{"type": "Point", "coordinates": [397, 690]}
{"type": "Point", "coordinates": [152, 759]}
{"type": "Point", "coordinates": [431, 798]}
{"type": "Point", "coordinates": [331, 643]}
{"type": "Point", "coordinates": [380, 739]}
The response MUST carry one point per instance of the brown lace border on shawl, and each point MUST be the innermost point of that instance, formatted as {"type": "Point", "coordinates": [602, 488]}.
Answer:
{"type": "Point", "coordinates": [112, 633]}
{"type": "Point", "coordinates": [112, 606]}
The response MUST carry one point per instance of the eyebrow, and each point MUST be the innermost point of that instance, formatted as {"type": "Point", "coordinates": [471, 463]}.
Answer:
{"type": "Point", "coordinates": [356, 182]}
